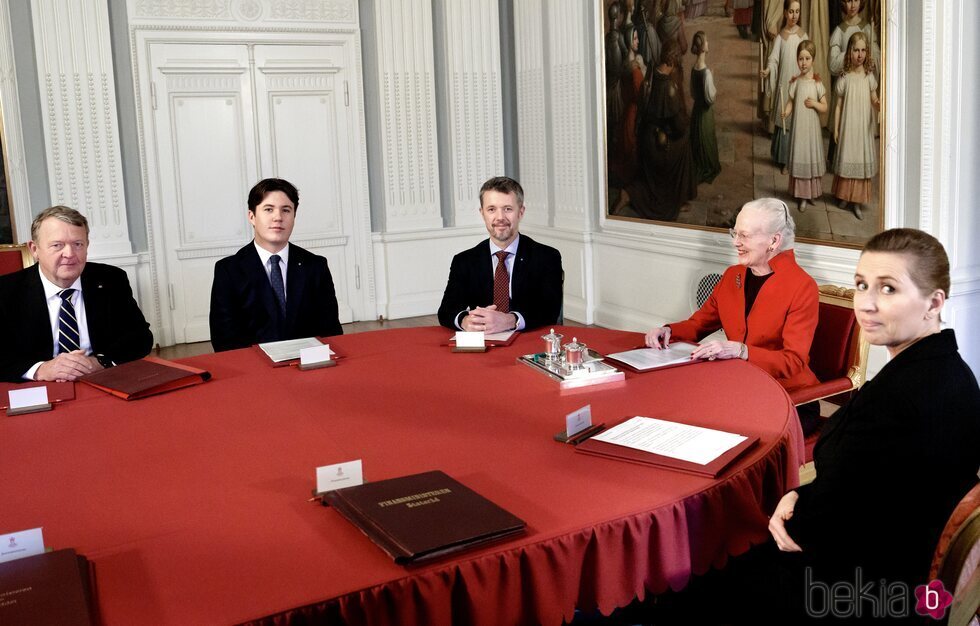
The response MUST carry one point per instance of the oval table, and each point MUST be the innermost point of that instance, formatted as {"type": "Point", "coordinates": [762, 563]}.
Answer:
{"type": "Point", "coordinates": [193, 505]}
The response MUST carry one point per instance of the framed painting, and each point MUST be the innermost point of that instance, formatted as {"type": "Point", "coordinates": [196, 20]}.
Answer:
{"type": "Point", "coordinates": [712, 103]}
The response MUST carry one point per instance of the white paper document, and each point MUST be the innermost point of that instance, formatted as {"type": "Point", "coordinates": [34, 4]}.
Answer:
{"type": "Point", "coordinates": [651, 358]}
{"type": "Point", "coordinates": [288, 350]}
{"type": "Point", "coordinates": [671, 439]}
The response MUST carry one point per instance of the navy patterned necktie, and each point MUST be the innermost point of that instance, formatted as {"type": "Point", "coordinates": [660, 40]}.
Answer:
{"type": "Point", "coordinates": [501, 283]}
{"type": "Point", "coordinates": [67, 323]}
{"type": "Point", "coordinates": [275, 277]}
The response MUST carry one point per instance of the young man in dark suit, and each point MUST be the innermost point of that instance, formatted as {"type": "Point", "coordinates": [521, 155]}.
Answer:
{"type": "Point", "coordinates": [271, 290]}
{"type": "Point", "coordinates": [521, 292]}
{"type": "Point", "coordinates": [64, 317]}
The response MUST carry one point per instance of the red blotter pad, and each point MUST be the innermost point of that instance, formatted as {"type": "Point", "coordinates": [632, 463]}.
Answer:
{"type": "Point", "coordinates": [423, 516]}
{"type": "Point", "coordinates": [632, 455]}
{"type": "Point", "coordinates": [145, 377]}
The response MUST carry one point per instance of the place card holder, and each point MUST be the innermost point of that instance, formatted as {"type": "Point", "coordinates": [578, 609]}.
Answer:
{"type": "Point", "coordinates": [580, 436]}
{"type": "Point", "coordinates": [35, 408]}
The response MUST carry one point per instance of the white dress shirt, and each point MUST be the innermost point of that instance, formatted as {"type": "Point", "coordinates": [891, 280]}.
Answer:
{"type": "Point", "coordinates": [265, 255]}
{"type": "Point", "coordinates": [53, 301]}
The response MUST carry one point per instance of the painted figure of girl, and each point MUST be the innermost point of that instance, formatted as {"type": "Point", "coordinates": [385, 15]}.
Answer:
{"type": "Point", "coordinates": [855, 162]}
{"type": "Point", "coordinates": [779, 69]}
{"type": "Point", "coordinates": [704, 143]}
{"type": "Point", "coordinates": [851, 22]}
{"type": "Point", "coordinates": [807, 100]}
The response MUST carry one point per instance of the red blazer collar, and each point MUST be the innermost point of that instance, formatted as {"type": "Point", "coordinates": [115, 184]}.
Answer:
{"type": "Point", "coordinates": [783, 260]}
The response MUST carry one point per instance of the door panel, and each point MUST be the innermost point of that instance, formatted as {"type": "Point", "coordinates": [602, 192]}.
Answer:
{"type": "Point", "coordinates": [204, 130]}
{"type": "Point", "coordinates": [305, 123]}
{"type": "Point", "coordinates": [210, 166]}
{"type": "Point", "coordinates": [227, 115]}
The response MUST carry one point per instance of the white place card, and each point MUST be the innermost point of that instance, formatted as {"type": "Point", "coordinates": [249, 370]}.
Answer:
{"type": "Point", "coordinates": [20, 544]}
{"type": "Point", "coordinates": [338, 476]}
{"type": "Point", "coordinates": [316, 354]}
{"type": "Point", "coordinates": [28, 398]}
{"type": "Point", "coordinates": [470, 340]}
{"type": "Point", "coordinates": [577, 421]}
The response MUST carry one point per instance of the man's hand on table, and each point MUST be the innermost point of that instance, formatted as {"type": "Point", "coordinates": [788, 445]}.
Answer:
{"type": "Point", "coordinates": [67, 366]}
{"type": "Point", "coordinates": [489, 320]}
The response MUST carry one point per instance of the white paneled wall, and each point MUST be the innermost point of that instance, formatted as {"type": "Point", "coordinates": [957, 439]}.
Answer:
{"type": "Point", "coordinates": [533, 105]}
{"type": "Point", "coordinates": [471, 48]}
{"type": "Point", "coordinates": [572, 181]}
{"type": "Point", "coordinates": [408, 115]}
{"type": "Point", "coordinates": [413, 253]}
{"type": "Point", "coordinates": [78, 111]}
{"type": "Point", "coordinates": [413, 268]}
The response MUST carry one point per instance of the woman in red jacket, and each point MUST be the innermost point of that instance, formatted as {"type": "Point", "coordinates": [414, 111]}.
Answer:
{"type": "Point", "coordinates": [767, 305]}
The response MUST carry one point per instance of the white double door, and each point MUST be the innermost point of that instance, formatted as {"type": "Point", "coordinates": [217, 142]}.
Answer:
{"type": "Point", "coordinates": [226, 115]}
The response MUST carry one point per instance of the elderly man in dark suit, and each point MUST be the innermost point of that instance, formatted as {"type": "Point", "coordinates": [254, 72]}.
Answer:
{"type": "Point", "coordinates": [507, 282]}
{"type": "Point", "coordinates": [64, 317]}
{"type": "Point", "coordinates": [271, 290]}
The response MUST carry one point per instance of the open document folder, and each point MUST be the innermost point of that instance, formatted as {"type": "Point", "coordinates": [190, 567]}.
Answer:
{"type": "Point", "coordinates": [651, 441]}
{"type": "Point", "coordinates": [646, 359]}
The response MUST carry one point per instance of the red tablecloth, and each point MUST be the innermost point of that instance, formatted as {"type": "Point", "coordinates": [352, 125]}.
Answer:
{"type": "Point", "coordinates": [193, 505]}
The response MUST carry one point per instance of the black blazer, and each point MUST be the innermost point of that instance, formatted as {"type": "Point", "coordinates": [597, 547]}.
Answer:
{"type": "Point", "coordinates": [536, 283]}
{"type": "Point", "coordinates": [116, 326]}
{"type": "Point", "coordinates": [244, 310]}
{"type": "Point", "coordinates": [891, 465]}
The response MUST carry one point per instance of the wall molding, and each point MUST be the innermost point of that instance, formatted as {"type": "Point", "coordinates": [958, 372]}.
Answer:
{"type": "Point", "coordinates": [473, 117]}
{"type": "Point", "coordinates": [408, 140]}
{"type": "Point", "coordinates": [78, 112]}
{"type": "Point", "coordinates": [245, 11]}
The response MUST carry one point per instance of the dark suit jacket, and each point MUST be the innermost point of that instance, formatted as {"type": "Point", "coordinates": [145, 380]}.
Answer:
{"type": "Point", "coordinates": [891, 465]}
{"type": "Point", "coordinates": [244, 310]}
{"type": "Point", "coordinates": [536, 283]}
{"type": "Point", "coordinates": [116, 326]}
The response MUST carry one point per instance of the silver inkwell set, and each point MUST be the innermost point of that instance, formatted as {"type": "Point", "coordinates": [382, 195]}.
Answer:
{"type": "Point", "coordinates": [572, 365]}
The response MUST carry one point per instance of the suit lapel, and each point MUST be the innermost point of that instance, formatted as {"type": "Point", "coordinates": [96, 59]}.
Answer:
{"type": "Point", "coordinates": [484, 276]}
{"type": "Point", "coordinates": [37, 313]}
{"type": "Point", "coordinates": [295, 284]}
{"type": "Point", "coordinates": [521, 265]}
{"type": "Point", "coordinates": [93, 291]}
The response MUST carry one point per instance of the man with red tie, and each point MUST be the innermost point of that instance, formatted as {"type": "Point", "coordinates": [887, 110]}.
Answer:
{"type": "Point", "coordinates": [506, 282]}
